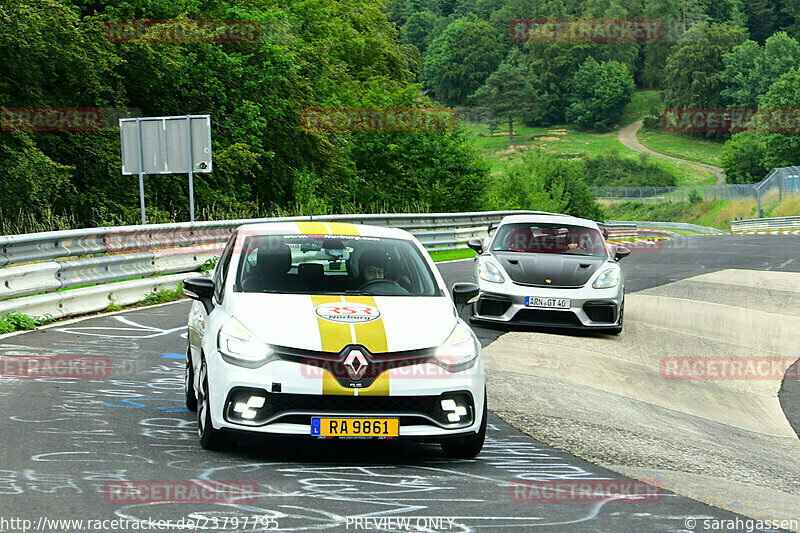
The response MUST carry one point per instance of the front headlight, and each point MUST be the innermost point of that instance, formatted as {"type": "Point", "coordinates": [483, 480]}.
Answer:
{"type": "Point", "coordinates": [607, 279]}
{"type": "Point", "coordinates": [460, 351]}
{"type": "Point", "coordinates": [238, 345]}
{"type": "Point", "coordinates": [490, 272]}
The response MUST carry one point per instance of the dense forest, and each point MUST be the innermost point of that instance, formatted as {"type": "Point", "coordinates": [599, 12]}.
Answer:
{"type": "Point", "coordinates": [358, 54]}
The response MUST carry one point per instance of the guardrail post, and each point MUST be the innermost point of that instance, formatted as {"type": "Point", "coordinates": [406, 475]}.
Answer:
{"type": "Point", "coordinates": [641, 196]}
{"type": "Point", "coordinates": [758, 203]}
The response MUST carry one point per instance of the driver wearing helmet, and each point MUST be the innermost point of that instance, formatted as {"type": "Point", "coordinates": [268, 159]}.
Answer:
{"type": "Point", "coordinates": [372, 265]}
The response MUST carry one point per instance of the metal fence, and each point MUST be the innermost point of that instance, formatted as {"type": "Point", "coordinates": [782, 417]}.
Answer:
{"type": "Point", "coordinates": [675, 194]}
{"type": "Point", "coordinates": [767, 224]}
{"type": "Point", "coordinates": [780, 182]}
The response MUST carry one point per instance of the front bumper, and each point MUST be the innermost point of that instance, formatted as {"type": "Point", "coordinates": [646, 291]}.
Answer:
{"type": "Point", "coordinates": [413, 395]}
{"type": "Point", "coordinates": [590, 308]}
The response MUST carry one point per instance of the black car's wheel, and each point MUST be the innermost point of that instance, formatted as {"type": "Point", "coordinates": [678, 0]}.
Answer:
{"type": "Point", "coordinates": [470, 446]}
{"type": "Point", "coordinates": [191, 398]}
{"type": "Point", "coordinates": [210, 438]}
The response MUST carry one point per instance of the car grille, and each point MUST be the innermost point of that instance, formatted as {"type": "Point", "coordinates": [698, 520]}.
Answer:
{"type": "Point", "coordinates": [543, 317]}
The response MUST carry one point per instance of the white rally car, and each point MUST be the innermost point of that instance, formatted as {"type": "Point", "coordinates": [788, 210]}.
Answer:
{"type": "Point", "coordinates": [549, 270]}
{"type": "Point", "coordinates": [333, 330]}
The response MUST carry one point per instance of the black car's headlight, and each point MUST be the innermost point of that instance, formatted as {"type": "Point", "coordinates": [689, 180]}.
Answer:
{"type": "Point", "coordinates": [490, 272]}
{"type": "Point", "coordinates": [608, 279]}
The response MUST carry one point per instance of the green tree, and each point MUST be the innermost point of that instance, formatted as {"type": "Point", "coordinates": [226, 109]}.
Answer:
{"type": "Point", "coordinates": [613, 170]}
{"type": "Point", "coordinates": [692, 74]}
{"type": "Point", "coordinates": [782, 149]}
{"type": "Point", "coordinates": [419, 29]}
{"type": "Point", "coordinates": [743, 158]}
{"type": "Point", "coordinates": [599, 92]}
{"type": "Point", "coordinates": [751, 69]}
{"type": "Point", "coordinates": [459, 60]}
{"type": "Point", "coordinates": [544, 181]}
{"type": "Point", "coordinates": [508, 92]}
{"type": "Point", "coordinates": [436, 171]}
{"type": "Point", "coordinates": [761, 19]}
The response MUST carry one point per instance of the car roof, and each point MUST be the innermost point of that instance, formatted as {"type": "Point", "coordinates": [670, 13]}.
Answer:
{"type": "Point", "coordinates": [314, 227]}
{"type": "Point", "coordinates": [549, 217]}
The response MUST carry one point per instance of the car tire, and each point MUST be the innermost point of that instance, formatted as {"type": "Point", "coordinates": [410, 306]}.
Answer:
{"type": "Point", "coordinates": [191, 395]}
{"type": "Point", "coordinates": [470, 446]}
{"type": "Point", "coordinates": [210, 438]}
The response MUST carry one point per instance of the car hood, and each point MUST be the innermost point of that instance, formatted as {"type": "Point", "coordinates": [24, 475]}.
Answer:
{"type": "Point", "coordinates": [563, 270]}
{"type": "Point", "coordinates": [329, 323]}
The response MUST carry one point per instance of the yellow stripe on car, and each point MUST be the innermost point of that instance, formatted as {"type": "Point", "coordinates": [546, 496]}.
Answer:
{"type": "Point", "coordinates": [327, 228]}
{"type": "Point", "coordinates": [331, 387]}
{"type": "Point", "coordinates": [342, 228]}
{"type": "Point", "coordinates": [371, 335]}
{"type": "Point", "coordinates": [335, 336]}
{"type": "Point", "coordinates": [312, 228]}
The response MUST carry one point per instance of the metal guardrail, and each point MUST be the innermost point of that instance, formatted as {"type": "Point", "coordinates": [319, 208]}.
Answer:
{"type": "Point", "coordinates": [161, 255]}
{"type": "Point", "coordinates": [620, 229]}
{"type": "Point", "coordinates": [670, 225]}
{"type": "Point", "coordinates": [766, 224]}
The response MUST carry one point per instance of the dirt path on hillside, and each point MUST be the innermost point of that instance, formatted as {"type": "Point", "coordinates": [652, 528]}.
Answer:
{"type": "Point", "coordinates": [627, 136]}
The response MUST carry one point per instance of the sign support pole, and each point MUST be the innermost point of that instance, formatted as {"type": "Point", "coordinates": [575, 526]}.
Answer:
{"type": "Point", "coordinates": [191, 164]}
{"type": "Point", "coordinates": [141, 173]}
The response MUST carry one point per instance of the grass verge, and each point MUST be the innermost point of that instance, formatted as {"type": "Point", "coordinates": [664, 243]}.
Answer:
{"type": "Point", "coordinates": [715, 213]}
{"type": "Point", "coordinates": [682, 146]}
{"type": "Point", "coordinates": [451, 255]}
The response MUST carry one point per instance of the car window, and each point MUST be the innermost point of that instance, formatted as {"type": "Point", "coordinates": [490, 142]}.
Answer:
{"type": "Point", "coordinates": [549, 238]}
{"type": "Point", "coordinates": [334, 264]}
{"type": "Point", "coordinates": [221, 272]}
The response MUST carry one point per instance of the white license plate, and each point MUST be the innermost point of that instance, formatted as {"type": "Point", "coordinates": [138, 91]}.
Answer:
{"type": "Point", "coordinates": [552, 303]}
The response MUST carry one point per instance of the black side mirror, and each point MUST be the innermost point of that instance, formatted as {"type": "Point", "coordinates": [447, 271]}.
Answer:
{"type": "Point", "coordinates": [200, 289]}
{"type": "Point", "coordinates": [621, 252]}
{"type": "Point", "coordinates": [463, 292]}
{"type": "Point", "coordinates": [476, 244]}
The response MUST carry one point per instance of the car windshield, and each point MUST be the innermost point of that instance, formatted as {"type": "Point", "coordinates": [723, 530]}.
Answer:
{"type": "Point", "coordinates": [549, 238]}
{"type": "Point", "coordinates": [333, 264]}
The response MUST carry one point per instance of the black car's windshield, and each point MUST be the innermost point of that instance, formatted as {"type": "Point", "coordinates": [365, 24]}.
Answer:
{"type": "Point", "coordinates": [549, 238]}
{"type": "Point", "coordinates": [333, 264]}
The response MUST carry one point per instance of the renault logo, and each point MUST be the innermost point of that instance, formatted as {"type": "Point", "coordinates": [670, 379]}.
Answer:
{"type": "Point", "coordinates": [356, 364]}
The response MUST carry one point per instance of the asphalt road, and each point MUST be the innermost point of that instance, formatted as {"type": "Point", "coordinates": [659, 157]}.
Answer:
{"type": "Point", "coordinates": [63, 441]}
